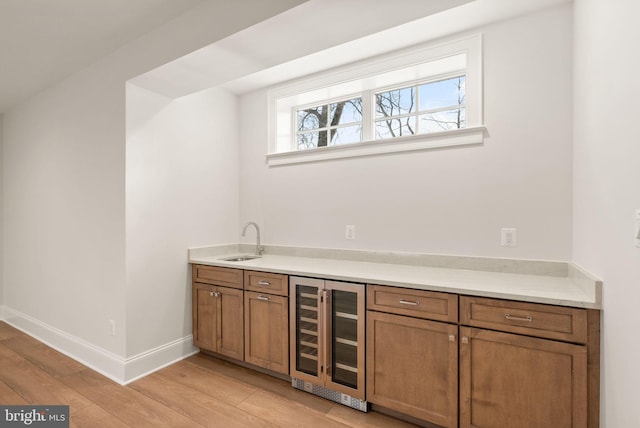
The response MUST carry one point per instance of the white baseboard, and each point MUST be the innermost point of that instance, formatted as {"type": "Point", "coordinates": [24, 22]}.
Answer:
{"type": "Point", "coordinates": [119, 369]}
{"type": "Point", "coordinates": [148, 362]}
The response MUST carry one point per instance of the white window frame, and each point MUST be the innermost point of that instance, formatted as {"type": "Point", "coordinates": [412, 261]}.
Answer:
{"type": "Point", "coordinates": [364, 78]}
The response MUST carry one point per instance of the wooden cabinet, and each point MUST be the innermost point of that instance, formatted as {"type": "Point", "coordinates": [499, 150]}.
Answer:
{"type": "Point", "coordinates": [515, 363]}
{"type": "Point", "coordinates": [412, 362]}
{"type": "Point", "coordinates": [217, 308]}
{"type": "Point", "coordinates": [251, 325]}
{"type": "Point", "coordinates": [266, 321]}
{"type": "Point", "coordinates": [512, 380]}
{"type": "Point", "coordinates": [518, 376]}
{"type": "Point", "coordinates": [217, 319]}
{"type": "Point", "coordinates": [445, 359]}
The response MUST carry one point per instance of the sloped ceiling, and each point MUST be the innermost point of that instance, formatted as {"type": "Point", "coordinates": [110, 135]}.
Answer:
{"type": "Point", "coordinates": [43, 41]}
{"type": "Point", "coordinates": [321, 34]}
{"type": "Point", "coordinates": [313, 26]}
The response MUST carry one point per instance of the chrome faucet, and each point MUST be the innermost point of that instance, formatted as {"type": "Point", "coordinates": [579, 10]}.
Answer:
{"type": "Point", "coordinates": [259, 249]}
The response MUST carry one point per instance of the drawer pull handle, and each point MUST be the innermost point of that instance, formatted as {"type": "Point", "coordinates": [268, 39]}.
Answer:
{"type": "Point", "coordinates": [264, 283]}
{"type": "Point", "coordinates": [409, 302]}
{"type": "Point", "coordinates": [513, 318]}
{"type": "Point", "coordinates": [266, 299]}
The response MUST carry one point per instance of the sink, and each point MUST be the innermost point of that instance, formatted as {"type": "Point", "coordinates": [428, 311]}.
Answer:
{"type": "Point", "coordinates": [239, 258]}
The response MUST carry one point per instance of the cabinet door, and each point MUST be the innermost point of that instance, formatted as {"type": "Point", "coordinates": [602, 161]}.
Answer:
{"type": "Point", "coordinates": [230, 323]}
{"type": "Point", "coordinates": [266, 331]}
{"type": "Point", "coordinates": [512, 380]}
{"type": "Point", "coordinates": [412, 367]}
{"type": "Point", "coordinates": [205, 316]}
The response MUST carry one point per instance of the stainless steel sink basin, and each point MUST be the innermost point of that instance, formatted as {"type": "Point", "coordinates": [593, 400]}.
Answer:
{"type": "Point", "coordinates": [239, 258]}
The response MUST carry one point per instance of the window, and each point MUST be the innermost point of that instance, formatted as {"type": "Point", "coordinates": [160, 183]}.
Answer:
{"type": "Point", "coordinates": [329, 124]}
{"type": "Point", "coordinates": [416, 99]}
{"type": "Point", "coordinates": [420, 109]}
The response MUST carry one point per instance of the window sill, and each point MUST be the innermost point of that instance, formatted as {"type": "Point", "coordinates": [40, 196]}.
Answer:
{"type": "Point", "coordinates": [458, 137]}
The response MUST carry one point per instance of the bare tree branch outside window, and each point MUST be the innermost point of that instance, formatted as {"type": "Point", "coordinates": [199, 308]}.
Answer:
{"type": "Point", "coordinates": [439, 107]}
{"type": "Point", "coordinates": [450, 118]}
{"type": "Point", "coordinates": [435, 106]}
{"type": "Point", "coordinates": [324, 125]}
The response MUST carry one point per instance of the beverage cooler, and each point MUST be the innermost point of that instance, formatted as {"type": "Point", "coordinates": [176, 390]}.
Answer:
{"type": "Point", "coordinates": [328, 339]}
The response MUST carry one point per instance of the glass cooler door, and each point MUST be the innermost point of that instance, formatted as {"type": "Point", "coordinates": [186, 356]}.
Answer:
{"type": "Point", "coordinates": [306, 349]}
{"type": "Point", "coordinates": [345, 319]}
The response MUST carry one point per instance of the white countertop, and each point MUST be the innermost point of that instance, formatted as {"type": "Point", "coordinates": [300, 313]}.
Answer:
{"type": "Point", "coordinates": [578, 289]}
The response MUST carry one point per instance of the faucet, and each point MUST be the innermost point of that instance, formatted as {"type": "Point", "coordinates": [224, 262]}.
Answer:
{"type": "Point", "coordinates": [259, 249]}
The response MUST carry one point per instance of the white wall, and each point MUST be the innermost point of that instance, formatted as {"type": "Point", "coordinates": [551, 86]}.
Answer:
{"type": "Point", "coordinates": [64, 189]}
{"type": "Point", "coordinates": [181, 192]}
{"type": "Point", "coordinates": [606, 187]}
{"type": "Point", "coordinates": [64, 208]}
{"type": "Point", "coordinates": [451, 201]}
{"type": "Point", "coordinates": [1, 223]}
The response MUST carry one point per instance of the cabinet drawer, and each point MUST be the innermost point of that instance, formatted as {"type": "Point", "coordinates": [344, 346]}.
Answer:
{"type": "Point", "coordinates": [533, 319]}
{"type": "Point", "coordinates": [225, 277]}
{"type": "Point", "coordinates": [263, 282]}
{"type": "Point", "coordinates": [416, 303]}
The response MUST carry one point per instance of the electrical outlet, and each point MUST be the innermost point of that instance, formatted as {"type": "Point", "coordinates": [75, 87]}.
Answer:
{"type": "Point", "coordinates": [508, 237]}
{"type": "Point", "coordinates": [112, 327]}
{"type": "Point", "coordinates": [350, 232]}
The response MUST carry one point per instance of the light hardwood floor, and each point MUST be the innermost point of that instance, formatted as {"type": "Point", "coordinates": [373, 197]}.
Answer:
{"type": "Point", "coordinates": [198, 391]}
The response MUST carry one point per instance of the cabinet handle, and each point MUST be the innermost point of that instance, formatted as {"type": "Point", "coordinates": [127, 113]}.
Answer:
{"type": "Point", "coordinates": [409, 302]}
{"type": "Point", "coordinates": [264, 283]}
{"type": "Point", "coordinates": [452, 338]}
{"type": "Point", "coordinates": [216, 293]}
{"type": "Point", "coordinates": [266, 299]}
{"type": "Point", "coordinates": [528, 318]}
{"type": "Point", "coordinates": [464, 339]}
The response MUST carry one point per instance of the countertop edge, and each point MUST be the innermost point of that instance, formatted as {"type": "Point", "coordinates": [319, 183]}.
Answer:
{"type": "Point", "coordinates": [578, 288]}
